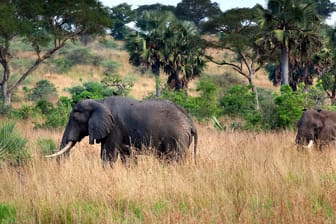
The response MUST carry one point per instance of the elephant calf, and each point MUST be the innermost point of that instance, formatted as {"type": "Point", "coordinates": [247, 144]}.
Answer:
{"type": "Point", "coordinates": [120, 123]}
{"type": "Point", "coordinates": [316, 126]}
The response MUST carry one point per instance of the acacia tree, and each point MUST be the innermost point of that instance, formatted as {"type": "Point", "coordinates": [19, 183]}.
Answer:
{"type": "Point", "coordinates": [46, 26]}
{"type": "Point", "coordinates": [237, 31]}
{"type": "Point", "coordinates": [196, 11]}
{"type": "Point", "coordinates": [120, 16]}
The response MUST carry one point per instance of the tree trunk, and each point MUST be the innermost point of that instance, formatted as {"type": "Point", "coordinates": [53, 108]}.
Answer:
{"type": "Point", "coordinates": [6, 95]}
{"type": "Point", "coordinates": [254, 88]}
{"type": "Point", "coordinates": [284, 65]}
{"type": "Point", "coordinates": [156, 72]}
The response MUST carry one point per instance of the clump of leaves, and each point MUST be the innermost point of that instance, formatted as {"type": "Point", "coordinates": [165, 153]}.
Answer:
{"type": "Point", "coordinates": [12, 144]}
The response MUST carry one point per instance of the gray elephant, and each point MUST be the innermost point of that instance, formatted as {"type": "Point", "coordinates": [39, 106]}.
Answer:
{"type": "Point", "coordinates": [316, 126]}
{"type": "Point", "coordinates": [121, 124]}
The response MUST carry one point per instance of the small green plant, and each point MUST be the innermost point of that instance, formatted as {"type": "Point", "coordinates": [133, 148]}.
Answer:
{"type": "Point", "coordinates": [12, 144]}
{"type": "Point", "coordinates": [47, 146]}
{"type": "Point", "coordinates": [7, 214]}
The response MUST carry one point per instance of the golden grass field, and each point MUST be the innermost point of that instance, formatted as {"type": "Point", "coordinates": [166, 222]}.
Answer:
{"type": "Point", "coordinates": [240, 177]}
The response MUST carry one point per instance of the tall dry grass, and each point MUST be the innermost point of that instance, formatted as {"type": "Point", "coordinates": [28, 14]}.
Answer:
{"type": "Point", "coordinates": [240, 177]}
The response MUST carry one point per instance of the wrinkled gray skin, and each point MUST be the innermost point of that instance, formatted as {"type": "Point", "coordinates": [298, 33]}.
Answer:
{"type": "Point", "coordinates": [316, 125]}
{"type": "Point", "coordinates": [119, 123]}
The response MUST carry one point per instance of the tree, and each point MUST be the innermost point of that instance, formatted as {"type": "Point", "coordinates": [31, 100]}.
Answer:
{"type": "Point", "coordinates": [120, 16]}
{"type": "Point", "coordinates": [196, 10]}
{"type": "Point", "coordinates": [41, 23]}
{"type": "Point", "coordinates": [324, 7]}
{"type": "Point", "coordinates": [168, 44]}
{"type": "Point", "coordinates": [283, 22]}
{"type": "Point", "coordinates": [237, 31]}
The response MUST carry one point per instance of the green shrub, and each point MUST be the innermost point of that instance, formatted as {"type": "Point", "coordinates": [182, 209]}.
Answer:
{"type": "Point", "coordinates": [44, 106]}
{"type": "Point", "coordinates": [110, 66]}
{"type": "Point", "coordinates": [24, 112]}
{"type": "Point", "coordinates": [77, 56]}
{"type": "Point", "coordinates": [238, 101]}
{"type": "Point", "coordinates": [7, 214]}
{"type": "Point", "coordinates": [58, 117]}
{"type": "Point", "coordinates": [90, 90]}
{"type": "Point", "coordinates": [43, 90]}
{"type": "Point", "coordinates": [203, 107]}
{"type": "Point", "coordinates": [47, 146]}
{"type": "Point", "coordinates": [12, 144]}
{"type": "Point", "coordinates": [289, 106]}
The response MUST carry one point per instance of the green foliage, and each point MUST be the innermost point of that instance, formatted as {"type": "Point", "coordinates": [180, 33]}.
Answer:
{"type": "Point", "coordinates": [12, 144]}
{"type": "Point", "coordinates": [43, 90]}
{"type": "Point", "coordinates": [58, 117]}
{"type": "Point", "coordinates": [90, 90]}
{"type": "Point", "coordinates": [47, 146]}
{"type": "Point", "coordinates": [24, 112]}
{"type": "Point", "coordinates": [44, 106]}
{"type": "Point", "coordinates": [202, 107]}
{"type": "Point", "coordinates": [110, 67]}
{"type": "Point", "coordinates": [77, 56]}
{"type": "Point", "coordinates": [289, 106]}
{"type": "Point", "coordinates": [110, 86]}
{"type": "Point", "coordinates": [238, 101]}
{"type": "Point", "coordinates": [7, 214]}
{"type": "Point", "coordinates": [109, 44]}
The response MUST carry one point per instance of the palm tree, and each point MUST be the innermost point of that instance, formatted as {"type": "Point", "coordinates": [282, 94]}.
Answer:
{"type": "Point", "coordinates": [283, 22]}
{"type": "Point", "coordinates": [166, 43]}
{"type": "Point", "coordinates": [146, 46]}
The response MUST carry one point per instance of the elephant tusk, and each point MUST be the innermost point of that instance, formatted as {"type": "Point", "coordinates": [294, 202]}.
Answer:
{"type": "Point", "coordinates": [310, 144]}
{"type": "Point", "coordinates": [65, 149]}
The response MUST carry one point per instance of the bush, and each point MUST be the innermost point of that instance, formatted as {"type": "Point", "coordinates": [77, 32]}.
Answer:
{"type": "Point", "coordinates": [24, 112]}
{"type": "Point", "coordinates": [77, 56]}
{"type": "Point", "coordinates": [47, 146]}
{"type": "Point", "coordinates": [289, 106]}
{"type": "Point", "coordinates": [12, 144]}
{"type": "Point", "coordinates": [238, 101]}
{"type": "Point", "coordinates": [58, 117]}
{"type": "Point", "coordinates": [202, 107]}
{"type": "Point", "coordinates": [43, 90]}
{"type": "Point", "coordinates": [44, 106]}
{"type": "Point", "coordinates": [90, 90]}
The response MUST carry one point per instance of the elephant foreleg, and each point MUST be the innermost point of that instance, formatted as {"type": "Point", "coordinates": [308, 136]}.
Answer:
{"type": "Point", "coordinates": [108, 155]}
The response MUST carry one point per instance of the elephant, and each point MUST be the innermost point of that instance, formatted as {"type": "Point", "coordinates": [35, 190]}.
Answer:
{"type": "Point", "coordinates": [121, 124]}
{"type": "Point", "coordinates": [316, 126]}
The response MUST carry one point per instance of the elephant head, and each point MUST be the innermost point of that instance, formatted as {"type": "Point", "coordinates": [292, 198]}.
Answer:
{"type": "Point", "coordinates": [314, 126]}
{"type": "Point", "coordinates": [88, 118]}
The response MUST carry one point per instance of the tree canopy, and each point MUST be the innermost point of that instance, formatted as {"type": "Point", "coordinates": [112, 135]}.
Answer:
{"type": "Point", "coordinates": [46, 26]}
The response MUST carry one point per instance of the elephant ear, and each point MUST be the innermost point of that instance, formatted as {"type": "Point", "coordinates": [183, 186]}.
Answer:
{"type": "Point", "coordinates": [101, 123]}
